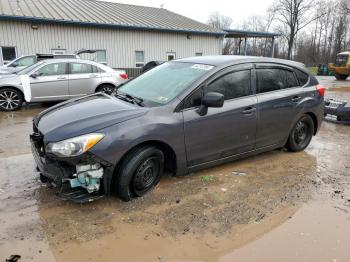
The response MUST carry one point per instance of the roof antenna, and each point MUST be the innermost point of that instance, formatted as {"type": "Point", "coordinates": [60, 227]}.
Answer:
{"type": "Point", "coordinates": [162, 5]}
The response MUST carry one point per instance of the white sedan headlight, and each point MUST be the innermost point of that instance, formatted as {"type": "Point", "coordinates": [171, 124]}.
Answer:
{"type": "Point", "coordinates": [74, 146]}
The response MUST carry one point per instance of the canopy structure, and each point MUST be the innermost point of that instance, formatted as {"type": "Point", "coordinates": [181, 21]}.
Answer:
{"type": "Point", "coordinates": [244, 34]}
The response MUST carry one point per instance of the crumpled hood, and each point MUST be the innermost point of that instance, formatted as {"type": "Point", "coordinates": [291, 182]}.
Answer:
{"type": "Point", "coordinates": [84, 115]}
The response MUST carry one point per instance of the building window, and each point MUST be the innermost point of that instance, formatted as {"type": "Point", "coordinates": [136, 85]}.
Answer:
{"type": "Point", "coordinates": [199, 54]}
{"type": "Point", "coordinates": [140, 58]}
{"type": "Point", "coordinates": [170, 56]}
{"type": "Point", "coordinates": [101, 56]}
{"type": "Point", "coordinates": [8, 53]}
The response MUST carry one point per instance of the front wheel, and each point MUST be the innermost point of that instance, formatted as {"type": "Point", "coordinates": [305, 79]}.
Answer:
{"type": "Point", "coordinates": [139, 172]}
{"type": "Point", "coordinates": [301, 134]}
{"type": "Point", "coordinates": [341, 77]}
{"type": "Point", "coordinates": [108, 89]}
{"type": "Point", "coordinates": [10, 99]}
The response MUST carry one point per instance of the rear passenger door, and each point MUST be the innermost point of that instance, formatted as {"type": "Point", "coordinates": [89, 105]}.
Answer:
{"type": "Point", "coordinates": [224, 131]}
{"type": "Point", "coordinates": [278, 98]}
{"type": "Point", "coordinates": [83, 78]}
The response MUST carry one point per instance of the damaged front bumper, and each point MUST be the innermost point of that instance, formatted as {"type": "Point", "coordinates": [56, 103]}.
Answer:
{"type": "Point", "coordinates": [81, 179]}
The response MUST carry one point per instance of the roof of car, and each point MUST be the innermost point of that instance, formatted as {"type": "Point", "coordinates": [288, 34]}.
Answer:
{"type": "Point", "coordinates": [56, 60]}
{"type": "Point", "coordinates": [222, 60]}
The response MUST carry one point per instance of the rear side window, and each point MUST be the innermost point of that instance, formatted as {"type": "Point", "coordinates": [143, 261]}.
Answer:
{"type": "Point", "coordinates": [272, 79]}
{"type": "Point", "coordinates": [53, 69]}
{"type": "Point", "coordinates": [232, 85]}
{"type": "Point", "coordinates": [78, 68]}
{"type": "Point", "coordinates": [303, 78]}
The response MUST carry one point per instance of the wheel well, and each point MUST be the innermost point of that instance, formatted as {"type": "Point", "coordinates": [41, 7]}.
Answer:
{"type": "Point", "coordinates": [15, 88]}
{"type": "Point", "coordinates": [314, 119]}
{"type": "Point", "coordinates": [104, 84]}
{"type": "Point", "coordinates": [169, 154]}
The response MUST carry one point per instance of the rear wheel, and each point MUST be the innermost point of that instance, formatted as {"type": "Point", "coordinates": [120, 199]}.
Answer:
{"type": "Point", "coordinates": [341, 77]}
{"type": "Point", "coordinates": [108, 89]}
{"type": "Point", "coordinates": [301, 134]}
{"type": "Point", "coordinates": [10, 99]}
{"type": "Point", "coordinates": [139, 172]}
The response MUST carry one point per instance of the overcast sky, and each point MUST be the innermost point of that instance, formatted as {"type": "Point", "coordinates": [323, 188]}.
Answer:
{"type": "Point", "coordinates": [200, 10]}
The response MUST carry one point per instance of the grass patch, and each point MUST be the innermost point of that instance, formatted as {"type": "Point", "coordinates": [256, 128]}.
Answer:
{"type": "Point", "coordinates": [207, 179]}
{"type": "Point", "coordinates": [313, 70]}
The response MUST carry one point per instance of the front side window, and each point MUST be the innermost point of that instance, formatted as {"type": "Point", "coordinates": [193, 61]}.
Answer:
{"type": "Point", "coordinates": [78, 68]}
{"type": "Point", "coordinates": [140, 58]}
{"type": "Point", "coordinates": [26, 61]}
{"type": "Point", "coordinates": [163, 83]}
{"type": "Point", "coordinates": [272, 79]}
{"type": "Point", "coordinates": [231, 85]}
{"type": "Point", "coordinates": [53, 69]}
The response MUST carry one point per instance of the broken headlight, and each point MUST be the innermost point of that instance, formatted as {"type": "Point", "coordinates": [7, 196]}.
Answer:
{"type": "Point", "coordinates": [74, 146]}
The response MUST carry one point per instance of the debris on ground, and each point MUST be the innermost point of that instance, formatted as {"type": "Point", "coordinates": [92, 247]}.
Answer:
{"type": "Point", "coordinates": [234, 173]}
{"type": "Point", "coordinates": [13, 258]}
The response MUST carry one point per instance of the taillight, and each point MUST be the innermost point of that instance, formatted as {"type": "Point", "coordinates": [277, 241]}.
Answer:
{"type": "Point", "coordinates": [321, 89]}
{"type": "Point", "coordinates": [123, 75]}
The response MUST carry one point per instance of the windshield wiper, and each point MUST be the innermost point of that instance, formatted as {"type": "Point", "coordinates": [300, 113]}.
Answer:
{"type": "Point", "coordinates": [129, 98]}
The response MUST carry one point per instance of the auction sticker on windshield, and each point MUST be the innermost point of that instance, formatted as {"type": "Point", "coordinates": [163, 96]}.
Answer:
{"type": "Point", "coordinates": [202, 67]}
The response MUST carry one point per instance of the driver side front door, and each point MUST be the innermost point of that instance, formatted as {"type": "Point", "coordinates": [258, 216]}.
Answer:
{"type": "Point", "coordinates": [225, 131]}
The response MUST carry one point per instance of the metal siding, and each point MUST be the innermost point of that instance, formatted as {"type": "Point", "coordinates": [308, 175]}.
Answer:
{"type": "Point", "coordinates": [120, 44]}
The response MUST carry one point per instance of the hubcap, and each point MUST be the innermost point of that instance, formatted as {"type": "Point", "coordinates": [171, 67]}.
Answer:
{"type": "Point", "coordinates": [301, 132]}
{"type": "Point", "coordinates": [9, 100]}
{"type": "Point", "coordinates": [146, 175]}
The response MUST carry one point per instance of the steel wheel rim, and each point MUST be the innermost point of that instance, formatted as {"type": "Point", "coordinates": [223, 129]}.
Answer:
{"type": "Point", "coordinates": [146, 175]}
{"type": "Point", "coordinates": [301, 133]}
{"type": "Point", "coordinates": [9, 100]}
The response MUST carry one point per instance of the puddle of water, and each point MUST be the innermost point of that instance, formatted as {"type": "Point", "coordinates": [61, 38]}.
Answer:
{"type": "Point", "coordinates": [317, 232]}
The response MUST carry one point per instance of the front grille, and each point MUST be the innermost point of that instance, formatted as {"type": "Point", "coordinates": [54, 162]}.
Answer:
{"type": "Point", "coordinates": [341, 60]}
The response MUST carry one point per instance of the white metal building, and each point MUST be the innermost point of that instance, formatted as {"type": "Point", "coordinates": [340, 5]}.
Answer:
{"type": "Point", "coordinates": [126, 36]}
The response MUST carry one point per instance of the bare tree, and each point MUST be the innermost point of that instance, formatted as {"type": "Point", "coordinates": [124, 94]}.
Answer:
{"type": "Point", "coordinates": [219, 21]}
{"type": "Point", "coordinates": [222, 22]}
{"type": "Point", "coordinates": [295, 15]}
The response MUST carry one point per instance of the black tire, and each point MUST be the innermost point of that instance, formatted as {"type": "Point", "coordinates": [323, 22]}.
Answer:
{"type": "Point", "coordinates": [341, 77]}
{"type": "Point", "coordinates": [108, 89]}
{"type": "Point", "coordinates": [10, 99]}
{"type": "Point", "coordinates": [139, 172]}
{"type": "Point", "coordinates": [301, 134]}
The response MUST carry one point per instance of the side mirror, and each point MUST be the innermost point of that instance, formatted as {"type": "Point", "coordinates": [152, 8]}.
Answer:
{"type": "Point", "coordinates": [35, 75]}
{"type": "Point", "coordinates": [211, 99]}
{"type": "Point", "coordinates": [14, 64]}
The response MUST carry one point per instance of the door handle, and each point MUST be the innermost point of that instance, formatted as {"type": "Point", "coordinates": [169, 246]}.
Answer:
{"type": "Point", "coordinates": [61, 78]}
{"type": "Point", "coordinates": [296, 98]}
{"type": "Point", "coordinates": [93, 76]}
{"type": "Point", "coordinates": [249, 110]}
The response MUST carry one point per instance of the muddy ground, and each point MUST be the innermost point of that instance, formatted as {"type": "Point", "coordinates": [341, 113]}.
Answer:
{"type": "Point", "coordinates": [277, 206]}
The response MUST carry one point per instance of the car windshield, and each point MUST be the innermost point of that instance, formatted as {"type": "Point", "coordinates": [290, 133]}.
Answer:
{"type": "Point", "coordinates": [29, 69]}
{"type": "Point", "coordinates": [163, 83]}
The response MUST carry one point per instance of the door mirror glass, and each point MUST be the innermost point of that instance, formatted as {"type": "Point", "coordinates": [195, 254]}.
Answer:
{"type": "Point", "coordinates": [211, 99]}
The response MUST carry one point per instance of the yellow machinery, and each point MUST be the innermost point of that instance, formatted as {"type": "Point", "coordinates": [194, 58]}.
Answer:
{"type": "Point", "coordinates": [341, 67]}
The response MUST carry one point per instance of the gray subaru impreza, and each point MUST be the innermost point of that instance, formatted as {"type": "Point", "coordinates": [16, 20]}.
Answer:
{"type": "Point", "coordinates": [179, 117]}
